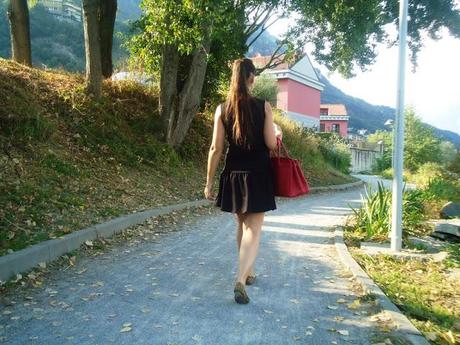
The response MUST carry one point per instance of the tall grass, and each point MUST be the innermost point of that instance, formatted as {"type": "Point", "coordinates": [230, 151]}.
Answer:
{"type": "Point", "coordinates": [373, 219]}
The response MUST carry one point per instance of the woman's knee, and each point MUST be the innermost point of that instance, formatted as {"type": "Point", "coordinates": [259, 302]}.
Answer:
{"type": "Point", "coordinates": [253, 222]}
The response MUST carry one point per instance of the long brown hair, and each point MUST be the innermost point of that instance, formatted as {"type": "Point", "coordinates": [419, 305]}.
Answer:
{"type": "Point", "coordinates": [238, 101]}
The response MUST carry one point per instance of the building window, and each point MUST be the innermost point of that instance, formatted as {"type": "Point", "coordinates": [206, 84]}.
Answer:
{"type": "Point", "coordinates": [322, 127]}
{"type": "Point", "coordinates": [323, 111]}
{"type": "Point", "coordinates": [335, 128]}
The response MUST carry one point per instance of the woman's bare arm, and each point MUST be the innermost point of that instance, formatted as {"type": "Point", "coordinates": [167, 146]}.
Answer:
{"type": "Point", "coordinates": [215, 152]}
{"type": "Point", "coordinates": [269, 130]}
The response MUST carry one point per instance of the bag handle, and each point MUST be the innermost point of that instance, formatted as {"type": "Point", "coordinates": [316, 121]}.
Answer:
{"type": "Point", "coordinates": [281, 146]}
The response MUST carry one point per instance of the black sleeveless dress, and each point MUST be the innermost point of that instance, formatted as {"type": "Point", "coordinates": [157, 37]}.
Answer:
{"type": "Point", "coordinates": [246, 183]}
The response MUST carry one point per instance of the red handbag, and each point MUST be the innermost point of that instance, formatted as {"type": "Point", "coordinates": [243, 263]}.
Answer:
{"type": "Point", "coordinates": [289, 178]}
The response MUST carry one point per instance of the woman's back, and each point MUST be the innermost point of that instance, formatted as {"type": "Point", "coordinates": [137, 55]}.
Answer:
{"type": "Point", "coordinates": [255, 155]}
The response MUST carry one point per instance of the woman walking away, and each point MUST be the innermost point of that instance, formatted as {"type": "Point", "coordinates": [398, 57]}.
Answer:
{"type": "Point", "coordinates": [246, 186]}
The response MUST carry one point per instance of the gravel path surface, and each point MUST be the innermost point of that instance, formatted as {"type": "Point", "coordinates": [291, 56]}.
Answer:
{"type": "Point", "coordinates": [178, 289]}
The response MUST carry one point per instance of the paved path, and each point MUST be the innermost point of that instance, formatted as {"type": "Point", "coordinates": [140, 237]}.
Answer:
{"type": "Point", "coordinates": [179, 290]}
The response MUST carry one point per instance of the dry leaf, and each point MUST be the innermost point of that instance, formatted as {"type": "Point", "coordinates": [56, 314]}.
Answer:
{"type": "Point", "coordinates": [332, 307]}
{"type": "Point", "coordinates": [449, 337]}
{"type": "Point", "coordinates": [343, 332]}
{"type": "Point", "coordinates": [355, 304]}
{"type": "Point", "coordinates": [83, 270]}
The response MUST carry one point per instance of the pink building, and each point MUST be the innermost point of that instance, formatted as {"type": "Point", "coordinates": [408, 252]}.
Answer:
{"type": "Point", "coordinates": [334, 118]}
{"type": "Point", "coordinates": [299, 90]}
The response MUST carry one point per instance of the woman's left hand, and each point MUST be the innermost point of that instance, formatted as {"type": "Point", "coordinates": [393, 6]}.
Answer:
{"type": "Point", "coordinates": [208, 194]}
{"type": "Point", "coordinates": [278, 131]}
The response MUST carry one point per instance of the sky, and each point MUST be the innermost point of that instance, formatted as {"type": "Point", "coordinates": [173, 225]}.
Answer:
{"type": "Point", "coordinates": [432, 89]}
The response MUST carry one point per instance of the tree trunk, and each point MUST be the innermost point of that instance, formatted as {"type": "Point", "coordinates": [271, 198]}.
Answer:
{"type": "Point", "coordinates": [106, 27]}
{"type": "Point", "coordinates": [91, 12]}
{"type": "Point", "coordinates": [18, 14]}
{"type": "Point", "coordinates": [189, 98]}
{"type": "Point", "coordinates": [168, 87]}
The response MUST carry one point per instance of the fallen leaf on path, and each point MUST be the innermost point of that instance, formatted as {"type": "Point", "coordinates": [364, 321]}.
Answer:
{"type": "Point", "coordinates": [83, 270]}
{"type": "Point", "coordinates": [268, 311]}
{"type": "Point", "coordinates": [196, 337]}
{"type": "Point", "coordinates": [355, 304]}
{"type": "Point", "coordinates": [126, 328]}
{"type": "Point", "coordinates": [332, 307]}
{"type": "Point", "coordinates": [343, 332]}
{"type": "Point", "coordinates": [295, 301]}
{"type": "Point", "coordinates": [341, 300]}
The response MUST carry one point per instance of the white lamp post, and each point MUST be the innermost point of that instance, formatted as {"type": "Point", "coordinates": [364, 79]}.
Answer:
{"type": "Point", "coordinates": [398, 135]}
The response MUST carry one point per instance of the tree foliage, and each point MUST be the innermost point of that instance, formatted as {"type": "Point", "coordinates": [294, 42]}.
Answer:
{"type": "Point", "coordinates": [420, 144]}
{"type": "Point", "coordinates": [345, 33]}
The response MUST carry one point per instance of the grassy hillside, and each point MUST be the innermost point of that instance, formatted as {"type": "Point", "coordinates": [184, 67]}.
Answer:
{"type": "Point", "coordinates": [67, 161]}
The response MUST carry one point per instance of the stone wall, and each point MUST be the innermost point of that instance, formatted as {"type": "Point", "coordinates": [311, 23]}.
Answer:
{"type": "Point", "coordinates": [362, 160]}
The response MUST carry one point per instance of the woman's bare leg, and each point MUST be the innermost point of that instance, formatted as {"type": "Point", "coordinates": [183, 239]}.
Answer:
{"type": "Point", "coordinates": [252, 228]}
{"type": "Point", "coordinates": [239, 235]}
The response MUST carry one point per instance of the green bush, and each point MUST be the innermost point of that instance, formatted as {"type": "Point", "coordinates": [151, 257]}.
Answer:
{"type": "Point", "coordinates": [425, 173]}
{"type": "Point", "coordinates": [266, 87]}
{"type": "Point", "coordinates": [439, 188]}
{"type": "Point", "coordinates": [336, 152]}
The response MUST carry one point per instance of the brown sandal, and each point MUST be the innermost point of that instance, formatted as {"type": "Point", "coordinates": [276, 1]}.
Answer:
{"type": "Point", "coordinates": [241, 297]}
{"type": "Point", "coordinates": [251, 280]}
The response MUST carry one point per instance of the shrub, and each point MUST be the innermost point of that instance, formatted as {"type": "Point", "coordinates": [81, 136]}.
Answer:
{"type": "Point", "coordinates": [336, 152]}
{"type": "Point", "coordinates": [425, 173]}
{"type": "Point", "coordinates": [439, 188]}
{"type": "Point", "coordinates": [266, 87]}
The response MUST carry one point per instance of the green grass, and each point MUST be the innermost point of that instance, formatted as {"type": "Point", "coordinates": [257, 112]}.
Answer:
{"type": "Point", "coordinates": [421, 290]}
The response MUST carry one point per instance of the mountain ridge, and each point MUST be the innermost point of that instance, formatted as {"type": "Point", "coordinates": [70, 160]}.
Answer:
{"type": "Point", "coordinates": [364, 115]}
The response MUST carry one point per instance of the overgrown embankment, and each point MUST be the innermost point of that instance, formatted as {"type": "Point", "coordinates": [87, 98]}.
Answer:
{"type": "Point", "coordinates": [67, 161]}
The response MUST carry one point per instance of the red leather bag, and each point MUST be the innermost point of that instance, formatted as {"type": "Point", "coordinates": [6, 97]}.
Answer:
{"type": "Point", "coordinates": [288, 176]}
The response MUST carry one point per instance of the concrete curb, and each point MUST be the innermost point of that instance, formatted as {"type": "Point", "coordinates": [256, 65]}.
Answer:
{"type": "Point", "coordinates": [405, 327]}
{"type": "Point", "coordinates": [47, 251]}
{"type": "Point", "coordinates": [320, 189]}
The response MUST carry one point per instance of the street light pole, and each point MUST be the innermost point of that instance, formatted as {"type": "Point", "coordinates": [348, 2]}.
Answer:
{"type": "Point", "coordinates": [398, 135]}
